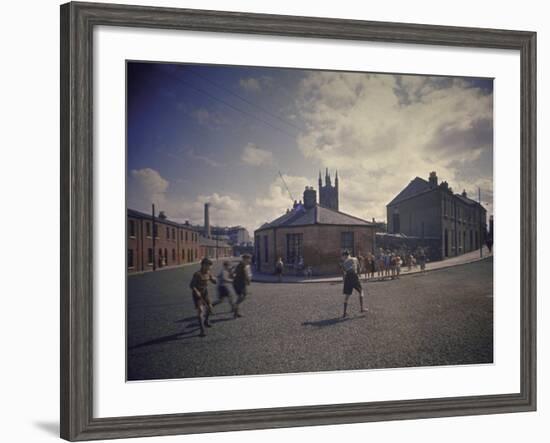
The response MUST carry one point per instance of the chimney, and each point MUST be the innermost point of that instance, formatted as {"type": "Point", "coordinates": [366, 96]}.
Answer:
{"type": "Point", "coordinates": [162, 215]}
{"type": "Point", "coordinates": [433, 179]}
{"type": "Point", "coordinates": [464, 194]}
{"type": "Point", "coordinates": [310, 197]}
{"type": "Point", "coordinates": [207, 220]}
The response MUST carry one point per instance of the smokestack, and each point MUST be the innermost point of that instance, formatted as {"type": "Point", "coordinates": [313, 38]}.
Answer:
{"type": "Point", "coordinates": [207, 220]}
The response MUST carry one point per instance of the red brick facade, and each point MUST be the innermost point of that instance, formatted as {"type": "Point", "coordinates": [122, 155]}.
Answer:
{"type": "Point", "coordinates": [175, 244]}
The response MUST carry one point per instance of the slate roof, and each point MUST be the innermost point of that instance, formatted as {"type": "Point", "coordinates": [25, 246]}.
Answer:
{"type": "Point", "coordinates": [143, 215]}
{"type": "Point", "coordinates": [416, 186]}
{"type": "Point", "coordinates": [419, 186]}
{"type": "Point", "coordinates": [318, 215]}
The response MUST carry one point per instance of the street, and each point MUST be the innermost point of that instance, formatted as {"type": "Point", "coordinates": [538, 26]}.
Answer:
{"type": "Point", "coordinates": [443, 317]}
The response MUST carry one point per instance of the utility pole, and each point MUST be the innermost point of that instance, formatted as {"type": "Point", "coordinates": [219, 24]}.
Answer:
{"type": "Point", "coordinates": [287, 190]}
{"type": "Point", "coordinates": [153, 236]}
{"type": "Point", "coordinates": [480, 224]}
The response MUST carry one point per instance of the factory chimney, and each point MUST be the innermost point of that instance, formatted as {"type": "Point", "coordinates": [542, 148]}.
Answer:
{"type": "Point", "coordinates": [207, 220]}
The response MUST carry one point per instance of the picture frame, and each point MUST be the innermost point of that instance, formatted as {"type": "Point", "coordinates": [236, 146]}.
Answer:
{"type": "Point", "coordinates": [77, 219]}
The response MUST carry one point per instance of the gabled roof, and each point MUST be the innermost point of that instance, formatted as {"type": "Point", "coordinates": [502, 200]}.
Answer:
{"type": "Point", "coordinates": [318, 215]}
{"type": "Point", "coordinates": [415, 187]}
{"type": "Point", "coordinates": [419, 186]}
{"type": "Point", "coordinates": [143, 215]}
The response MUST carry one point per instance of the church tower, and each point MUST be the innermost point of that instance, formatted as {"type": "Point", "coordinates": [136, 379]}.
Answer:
{"type": "Point", "coordinates": [328, 194]}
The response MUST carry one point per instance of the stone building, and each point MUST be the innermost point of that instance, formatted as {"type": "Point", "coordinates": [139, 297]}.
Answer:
{"type": "Point", "coordinates": [314, 234]}
{"type": "Point", "coordinates": [431, 211]}
{"type": "Point", "coordinates": [328, 194]}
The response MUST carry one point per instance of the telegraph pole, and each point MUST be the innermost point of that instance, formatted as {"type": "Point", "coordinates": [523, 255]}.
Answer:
{"type": "Point", "coordinates": [153, 236]}
{"type": "Point", "coordinates": [480, 224]}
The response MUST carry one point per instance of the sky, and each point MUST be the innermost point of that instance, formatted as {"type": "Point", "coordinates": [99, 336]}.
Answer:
{"type": "Point", "coordinates": [222, 134]}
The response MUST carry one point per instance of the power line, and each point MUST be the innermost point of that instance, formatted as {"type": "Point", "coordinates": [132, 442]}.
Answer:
{"type": "Point", "coordinates": [213, 97]}
{"type": "Point", "coordinates": [261, 108]}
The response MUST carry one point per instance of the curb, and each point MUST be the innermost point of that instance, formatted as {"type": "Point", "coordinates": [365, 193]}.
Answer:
{"type": "Point", "coordinates": [339, 279]}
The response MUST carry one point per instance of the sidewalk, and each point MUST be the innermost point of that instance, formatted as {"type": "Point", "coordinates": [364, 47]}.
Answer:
{"type": "Point", "coordinates": [469, 257]}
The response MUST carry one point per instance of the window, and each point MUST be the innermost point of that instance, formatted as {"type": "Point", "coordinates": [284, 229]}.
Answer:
{"type": "Point", "coordinates": [173, 234]}
{"type": "Point", "coordinates": [173, 255]}
{"type": "Point", "coordinates": [131, 228]}
{"type": "Point", "coordinates": [148, 229]}
{"type": "Point", "coordinates": [167, 232]}
{"type": "Point", "coordinates": [150, 256]}
{"type": "Point", "coordinates": [186, 238]}
{"type": "Point", "coordinates": [165, 256]}
{"type": "Point", "coordinates": [294, 248]}
{"type": "Point", "coordinates": [346, 242]}
{"type": "Point", "coordinates": [155, 230]}
{"type": "Point", "coordinates": [130, 258]}
{"type": "Point", "coordinates": [266, 249]}
{"type": "Point", "coordinates": [396, 222]}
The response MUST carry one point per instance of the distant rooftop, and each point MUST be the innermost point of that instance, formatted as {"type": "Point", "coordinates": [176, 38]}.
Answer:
{"type": "Point", "coordinates": [139, 214]}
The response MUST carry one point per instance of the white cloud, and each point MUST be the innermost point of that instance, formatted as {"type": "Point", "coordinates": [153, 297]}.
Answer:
{"type": "Point", "coordinates": [146, 186]}
{"type": "Point", "coordinates": [203, 158]}
{"type": "Point", "coordinates": [380, 131]}
{"type": "Point", "coordinates": [209, 118]}
{"type": "Point", "coordinates": [250, 84]}
{"type": "Point", "coordinates": [253, 155]}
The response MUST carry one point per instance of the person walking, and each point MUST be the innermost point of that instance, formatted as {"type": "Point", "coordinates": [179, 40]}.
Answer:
{"type": "Point", "coordinates": [279, 267]}
{"type": "Point", "coordinates": [224, 280]}
{"type": "Point", "coordinates": [241, 281]}
{"type": "Point", "coordinates": [398, 263]}
{"type": "Point", "coordinates": [352, 282]}
{"type": "Point", "coordinates": [199, 288]}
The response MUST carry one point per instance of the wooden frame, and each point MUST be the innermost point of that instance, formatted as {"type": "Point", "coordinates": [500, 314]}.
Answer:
{"type": "Point", "coordinates": [77, 23]}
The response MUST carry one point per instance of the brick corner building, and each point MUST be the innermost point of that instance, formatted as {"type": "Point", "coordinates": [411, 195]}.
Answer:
{"type": "Point", "coordinates": [313, 234]}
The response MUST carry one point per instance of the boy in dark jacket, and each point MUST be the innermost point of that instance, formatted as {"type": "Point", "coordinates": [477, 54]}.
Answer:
{"type": "Point", "coordinates": [199, 288]}
{"type": "Point", "coordinates": [241, 281]}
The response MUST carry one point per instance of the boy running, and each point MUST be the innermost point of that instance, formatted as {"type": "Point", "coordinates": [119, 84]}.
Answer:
{"type": "Point", "coordinates": [224, 280]}
{"type": "Point", "coordinates": [351, 280]}
{"type": "Point", "coordinates": [241, 281]}
{"type": "Point", "coordinates": [199, 288]}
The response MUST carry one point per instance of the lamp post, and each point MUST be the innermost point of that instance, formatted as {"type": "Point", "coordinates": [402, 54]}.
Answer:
{"type": "Point", "coordinates": [153, 235]}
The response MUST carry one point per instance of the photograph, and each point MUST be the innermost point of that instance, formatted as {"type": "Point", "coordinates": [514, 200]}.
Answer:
{"type": "Point", "coordinates": [286, 220]}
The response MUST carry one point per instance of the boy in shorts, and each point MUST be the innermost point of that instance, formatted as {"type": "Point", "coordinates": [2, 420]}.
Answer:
{"type": "Point", "coordinates": [351, 280]}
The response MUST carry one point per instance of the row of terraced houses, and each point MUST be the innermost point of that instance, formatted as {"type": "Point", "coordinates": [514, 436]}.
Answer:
{"type": "Point", "coordinates": [156, 242]}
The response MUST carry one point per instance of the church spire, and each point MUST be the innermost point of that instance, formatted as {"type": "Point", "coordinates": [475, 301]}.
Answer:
{"type": "Point", "coordinates": [320, 180]}
{"type": "Point", "coordinates": [327, 178]}
{"type": "Point", "coordinates": [336, 179]}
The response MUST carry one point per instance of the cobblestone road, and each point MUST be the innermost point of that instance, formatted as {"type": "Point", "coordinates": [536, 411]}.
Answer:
{"type": "Point", "coordinates": [440, 318]}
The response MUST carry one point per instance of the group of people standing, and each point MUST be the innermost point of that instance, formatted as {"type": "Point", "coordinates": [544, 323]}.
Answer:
{"type": "Point", "coordinates": [385, 264]}
{"type": "Point", "coordinates": [229, 280]}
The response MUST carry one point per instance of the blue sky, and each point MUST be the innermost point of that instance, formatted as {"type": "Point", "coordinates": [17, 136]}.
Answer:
{"type": "Point", "coordinates": [221, 134]}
